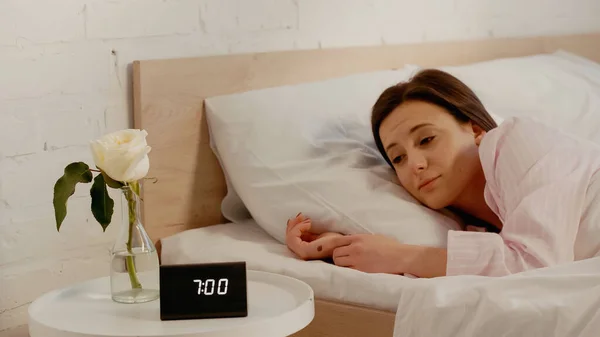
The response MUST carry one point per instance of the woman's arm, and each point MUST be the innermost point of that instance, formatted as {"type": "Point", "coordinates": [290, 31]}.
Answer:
{"type": "Point", "coordinates": [537, 180]}
{"type": "Point", "coordinates": [426, 262]}
{"type": "Point", "coordinates": [374, 253]}
{"type": "Point", "coordinates": [366, 252]}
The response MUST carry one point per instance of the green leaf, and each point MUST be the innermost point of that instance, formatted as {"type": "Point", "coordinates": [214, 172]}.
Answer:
{"type": "Point", "coordinates": [111, 182]}
{"type": "Point", "coordinates": [64, 187]}
{"type": "Point", "coordinates": [102, 204]}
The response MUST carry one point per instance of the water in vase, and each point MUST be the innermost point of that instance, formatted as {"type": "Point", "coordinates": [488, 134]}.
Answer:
{"type": "Point", "coordinates": [134, 277]}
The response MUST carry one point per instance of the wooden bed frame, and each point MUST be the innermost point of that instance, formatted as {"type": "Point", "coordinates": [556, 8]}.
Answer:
{"type": "Point", "coordinates": [168, 100]}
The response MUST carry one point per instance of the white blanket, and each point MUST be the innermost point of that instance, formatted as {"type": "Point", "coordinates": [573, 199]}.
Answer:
{"type": "Point", "coordinates": [551, 302]}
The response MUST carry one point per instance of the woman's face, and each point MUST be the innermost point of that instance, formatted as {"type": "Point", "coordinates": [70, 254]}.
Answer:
{"type": "Point", "coordinates": [435, 156]}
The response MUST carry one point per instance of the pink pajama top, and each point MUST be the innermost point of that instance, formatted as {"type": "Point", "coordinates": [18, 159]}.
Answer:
{"type": "Point", "coordinates": [541, 184]}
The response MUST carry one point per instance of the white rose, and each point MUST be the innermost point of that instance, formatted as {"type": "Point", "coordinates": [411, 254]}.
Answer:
{"type": "Point", "coordinates": [122, 155]}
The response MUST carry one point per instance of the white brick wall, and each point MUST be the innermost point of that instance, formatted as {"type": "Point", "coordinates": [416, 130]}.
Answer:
{"type": "Point", "coordinates": [33, 71]}
{"type": "Point", "coordinates": [138, 18]}
{"type": "Point", "coordinates": [64, 79]}
{"type": "Point", "coordinates": [230, 16]}
{"type": "Point", "coordinates": [35, 21]}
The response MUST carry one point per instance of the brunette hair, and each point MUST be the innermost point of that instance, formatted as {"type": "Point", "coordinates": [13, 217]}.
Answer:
{"type": "Point", "coordinates": [435, 87]}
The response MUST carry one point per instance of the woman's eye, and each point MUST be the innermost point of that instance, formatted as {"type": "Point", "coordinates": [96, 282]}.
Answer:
{"type": "Point", "coordinates": [397, 159]}
{"type": "Point", "coordinates": [427, 140]}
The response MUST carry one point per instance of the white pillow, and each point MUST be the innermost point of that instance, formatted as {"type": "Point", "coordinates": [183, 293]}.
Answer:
{"type": "Point", "coordinates": [232, 206]}
{"type": "Point", "coordinates": [560, 89]}
{"type": "Point", "coordinates": [309, 148]}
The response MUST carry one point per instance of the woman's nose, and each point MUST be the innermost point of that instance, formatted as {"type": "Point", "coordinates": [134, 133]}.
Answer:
{"type": "Point", "coordinates": [418, 163]}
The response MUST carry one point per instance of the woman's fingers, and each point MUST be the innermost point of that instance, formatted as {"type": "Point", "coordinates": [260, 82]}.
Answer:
{"type": "Point", "coordinates": [342, 252]}
{"type": "Point", "coordinates": [341, 256]}
{"type": "Point", "coordinates": [295, 240]}
{"type": "Point", "coordinates": [294, 221]}
{"type": "Point", "coordinates": [309, 236]}
{"type": "Point", "coordinates": [297, 231]}
{"type": "Point", "coordinates": [302, 227]}
{"type": "Point", "coordinates": [342, 261]}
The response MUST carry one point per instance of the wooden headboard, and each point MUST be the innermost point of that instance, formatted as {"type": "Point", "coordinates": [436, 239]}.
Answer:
{"type": "Point", "coordinates": [168, 103]}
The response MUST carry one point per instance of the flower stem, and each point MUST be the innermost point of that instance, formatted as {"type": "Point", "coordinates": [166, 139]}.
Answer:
{"type": "Point", "coordinates": [131, 203]}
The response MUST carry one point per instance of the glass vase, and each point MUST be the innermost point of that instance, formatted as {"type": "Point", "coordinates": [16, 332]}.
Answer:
{"type": "Point", "coordinates": [134, 274]}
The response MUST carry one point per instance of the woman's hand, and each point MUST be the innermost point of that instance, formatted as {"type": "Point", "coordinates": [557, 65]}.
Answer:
{"type": "Point", "coordinates": [373, 253]}
{"type": "Point", "coordinates": [306, 244]}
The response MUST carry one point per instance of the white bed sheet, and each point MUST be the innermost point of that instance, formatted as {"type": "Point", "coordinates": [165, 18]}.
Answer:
{"type": "Point", "coordinates": [558, 301]}
{"type": "Point", "coordinates": [562, 301]}
{"type": "Point", "coordinates": [247, 242]}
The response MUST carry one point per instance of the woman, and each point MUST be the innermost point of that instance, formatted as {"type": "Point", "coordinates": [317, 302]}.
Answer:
{"type": "Point", "coordinates": [521, 186]}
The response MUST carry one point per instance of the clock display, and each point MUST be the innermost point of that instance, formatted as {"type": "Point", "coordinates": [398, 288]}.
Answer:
{"type": "Point", "coordinates": [208, 290]}
{"type": "Point", "coordinates": [209, 286]}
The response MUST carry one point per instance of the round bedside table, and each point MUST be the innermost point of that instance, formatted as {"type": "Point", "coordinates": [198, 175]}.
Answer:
{"type": "Point", "coordinates": [277, 306]}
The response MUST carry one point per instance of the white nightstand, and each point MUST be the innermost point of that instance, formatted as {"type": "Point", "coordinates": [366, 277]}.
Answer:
{"type": "Point", "coordinates": [277, 306]}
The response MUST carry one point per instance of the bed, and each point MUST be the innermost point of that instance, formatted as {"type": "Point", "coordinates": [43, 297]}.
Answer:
{"type": "Point", "coordinates": [184, 205]}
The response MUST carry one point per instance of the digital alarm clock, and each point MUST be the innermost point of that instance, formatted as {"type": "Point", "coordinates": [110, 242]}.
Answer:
{"type": "Point", "coordinates": [207, 290]}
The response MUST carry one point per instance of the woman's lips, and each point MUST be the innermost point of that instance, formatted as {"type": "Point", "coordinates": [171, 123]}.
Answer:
{"type": "Point", "coordinates": [427, 182]}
